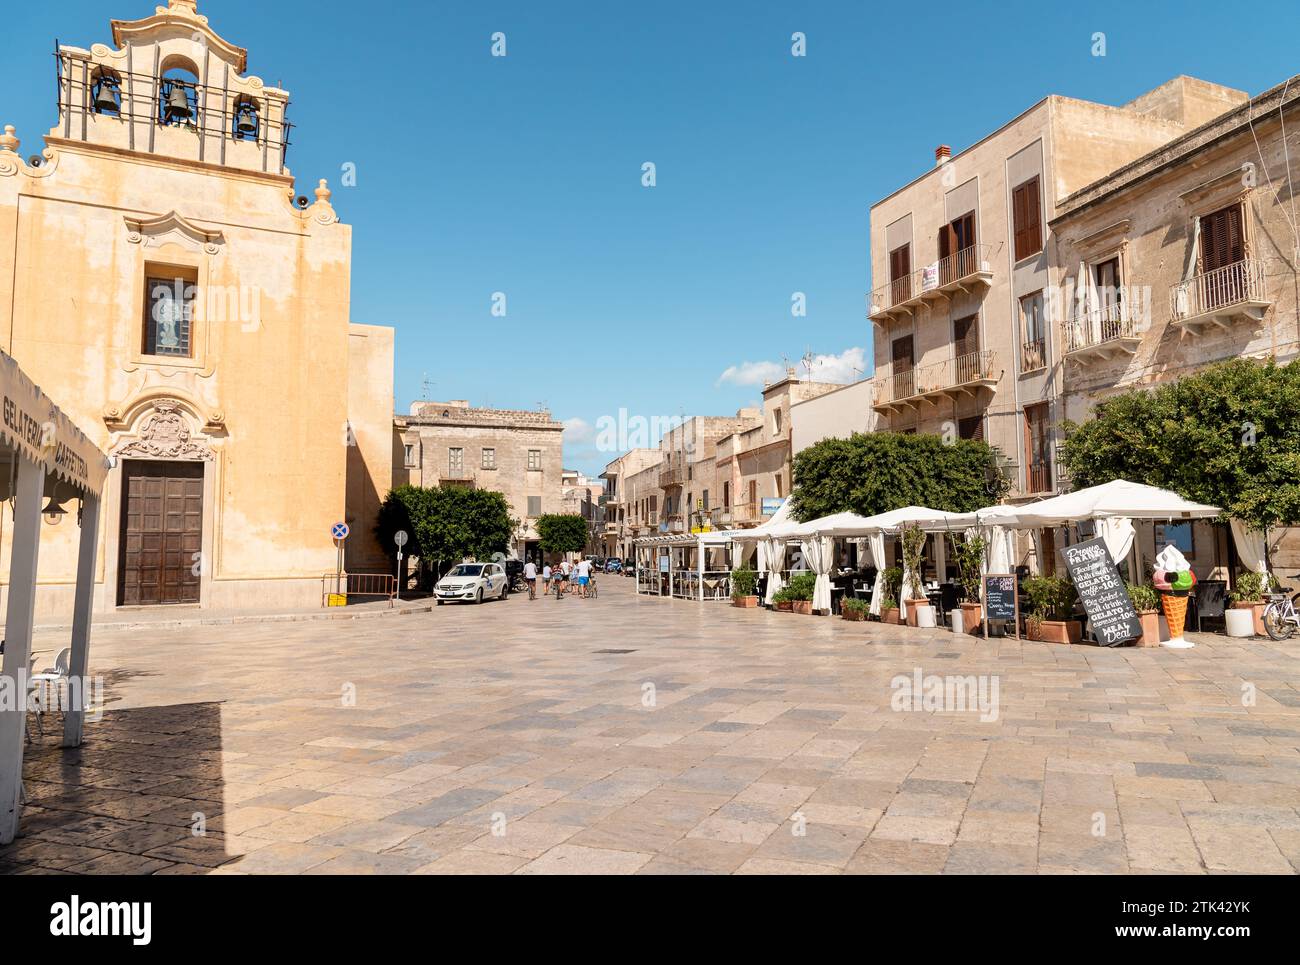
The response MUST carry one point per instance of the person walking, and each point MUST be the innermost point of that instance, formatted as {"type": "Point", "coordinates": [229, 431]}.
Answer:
{"type": "Point", "coordinates": [530, 577]}
{"type": "Point", "coordinates": [546, 578]}
{"type": "Point", "coordinates": [564, 579]}
{"type": "Point", "coordinates": [584, 576]}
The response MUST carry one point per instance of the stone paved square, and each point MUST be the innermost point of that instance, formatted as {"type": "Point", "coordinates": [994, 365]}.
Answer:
{"type": "Point", "coordinates": [498, 739]}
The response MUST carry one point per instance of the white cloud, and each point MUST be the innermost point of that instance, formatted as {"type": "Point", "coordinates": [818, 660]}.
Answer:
{"type": "Point", "coordinates": [845, 367]}
{"type": "Point", "coordinates": [751, 373]}
{"type": "Point", "coordinates": [578, 430]}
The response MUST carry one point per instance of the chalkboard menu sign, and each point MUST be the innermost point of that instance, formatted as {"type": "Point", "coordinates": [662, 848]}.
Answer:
{"type": "Point", "coordinates": [1104, 596]}
{"type": "Point", "coordinates": [1000, 596]}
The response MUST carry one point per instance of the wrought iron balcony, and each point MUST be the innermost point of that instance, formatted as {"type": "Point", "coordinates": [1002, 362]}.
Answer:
{"type": "Point", "coordinates": [950, 379]}
{"type": "Point", "coordinates": [671, 477]}
{"type": "Point", "coordinates": [1220, 297]}
{"type": "Point", "coordinates": [1101, 333]}
{"type": "Point", "coordinates": [1033, 355]}
{"type": "Point", "coordinates": [968, 270]}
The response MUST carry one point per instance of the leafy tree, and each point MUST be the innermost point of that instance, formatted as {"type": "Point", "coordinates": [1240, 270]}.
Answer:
{"type": "Point", "coordinates": [446, 523]}
{"type": "Point", "coordinates": [1226, 435]}
{"type": "Point", "coordinates": [562, 533]}
{"type": "Point", "coordinates": [879, 471]}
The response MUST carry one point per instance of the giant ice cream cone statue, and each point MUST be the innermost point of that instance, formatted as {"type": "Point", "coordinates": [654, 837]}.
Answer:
{"type": "Point", "coordinates": [1174, 579]}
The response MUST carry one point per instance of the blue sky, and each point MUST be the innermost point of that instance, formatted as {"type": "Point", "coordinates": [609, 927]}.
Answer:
{"type": "Point", "coordinates": [523, 174]}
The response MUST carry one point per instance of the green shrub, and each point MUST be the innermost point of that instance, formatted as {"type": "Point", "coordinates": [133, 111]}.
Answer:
{"type": "Point", "coordinates": [1051, 597]}
{"type": "Point", "coordinates": [1145, 597]}
{"type": "Point", "coordinates": [1249, 588]}
{"type": "Point", "coordinates": [802, 585]}
{"type": "Point", "coordinates": [853, 605]}
{"type": "Point", "coordinates": [743, 582]}
{"type": "Point", "coordinates": [888, 602]}
{"type": "Point", "coordinates": [893, 580]}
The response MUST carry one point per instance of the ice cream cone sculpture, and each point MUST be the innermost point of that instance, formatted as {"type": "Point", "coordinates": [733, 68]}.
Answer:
{"type": "Point", "coordinates": [1174, 579]}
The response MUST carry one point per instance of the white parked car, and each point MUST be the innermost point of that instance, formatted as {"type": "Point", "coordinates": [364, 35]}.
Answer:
{"type": "Point", "coordinates": [473, 583]}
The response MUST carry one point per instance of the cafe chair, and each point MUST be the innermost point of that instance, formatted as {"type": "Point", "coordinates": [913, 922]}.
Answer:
{"type": "Point", "coordinates": [49, 680]}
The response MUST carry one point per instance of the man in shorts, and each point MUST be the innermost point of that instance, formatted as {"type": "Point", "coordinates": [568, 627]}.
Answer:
{"type": "Point", "coordinates": [584, 576]}
{"type": "Point", "coordinates": [530, 577]}
{"type": "Point", "coordinates": [546, 578]}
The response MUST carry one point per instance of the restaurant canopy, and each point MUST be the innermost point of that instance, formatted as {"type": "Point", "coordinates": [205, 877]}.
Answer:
{"type": "Point", "coordinates": [1116, 499]}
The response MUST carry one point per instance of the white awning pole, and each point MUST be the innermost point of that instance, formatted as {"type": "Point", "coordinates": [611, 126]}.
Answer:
{"type": "Point", "coordinates": [78, 688]}
{"type": "Point", "coordinates": [19, 618]}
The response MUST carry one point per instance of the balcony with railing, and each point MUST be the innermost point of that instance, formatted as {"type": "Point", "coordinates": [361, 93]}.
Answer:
{"type": "Point", "coordinates": [1033, 354]}
{"type": "Point", "coordinates": [671, 477]}
{"type": "Point", "coordinates": [950, 379]}
{"type": "Point", "coordinates": [1038, 475]}
{"type": "Point", "coordinates": [1100, 334]}
{"type": "Point", "coordinates": [457, 477]}
{"type": "Point", "coordinates": [1220, 297]}
{"type": "Point", "coordinates": [968, 270]}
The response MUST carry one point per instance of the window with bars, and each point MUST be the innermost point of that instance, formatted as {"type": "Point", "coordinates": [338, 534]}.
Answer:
{"type": "Point", "coordinates": [1027, 219]}
{"type": "Point", "coordinates": [169, 311]}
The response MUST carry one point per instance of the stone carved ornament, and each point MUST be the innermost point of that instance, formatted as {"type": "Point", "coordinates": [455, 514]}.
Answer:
{"type": "Point", "coordinates": [165, 434]}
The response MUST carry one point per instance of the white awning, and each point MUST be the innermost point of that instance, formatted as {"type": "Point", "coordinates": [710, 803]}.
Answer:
{"type": "Point", "coordinates": [1117, 499]}
{"type": "Point", "coordinates": [31, 423]}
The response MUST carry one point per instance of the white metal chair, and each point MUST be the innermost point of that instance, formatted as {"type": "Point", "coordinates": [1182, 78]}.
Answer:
{"type": "Point", "coordinates": [51, 678]}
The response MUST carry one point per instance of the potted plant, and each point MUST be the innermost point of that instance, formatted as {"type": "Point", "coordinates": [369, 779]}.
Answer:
{"type": "Point", "coordinates": [744, 582]}
{"type": "Point", "coordinates": [889, 609]}
{"type": "Point", "coordinates": [1052, 599]}
{"type": "Point", "coordinates": [782, 600]}
{"type": "Point", "coordinates": [969, 554]}
{"type": "Point", "coordinates": [854, 610]}
{"type": "Point", "coordinates": [1247, 595]}
{"type": "Point", "coordinates": [801, 592]}
{"type": "Point", "coordinates": [919, 610]}
{"type": "Point", "coordinates": [1034, 626]}
{"type": "Point", "coordinates": [1146, 600]}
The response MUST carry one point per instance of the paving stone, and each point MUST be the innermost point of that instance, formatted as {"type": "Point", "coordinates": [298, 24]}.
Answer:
{"type": "Point", "coordinates": [762, 722]}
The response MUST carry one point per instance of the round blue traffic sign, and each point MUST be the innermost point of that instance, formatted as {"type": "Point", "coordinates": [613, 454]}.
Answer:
{"type": "Point", "coordinates": [339, 531]}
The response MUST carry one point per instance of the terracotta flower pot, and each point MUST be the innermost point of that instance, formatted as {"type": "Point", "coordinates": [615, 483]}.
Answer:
{"type": "Point", "coordinates": [785, 606]}
{"type": "Point", "coordinates": [854, 616]}
{"type": "Point", "coordinates": [744, 601]}
{"type": "Point", "coordinates": [1258, 613]}
{"type": "Point", "coordinates": [1061, 631]}
{"type": "Point", "coordinates": [803, 606]}
{"type": "Point", "coordinates": [971, 616]}
{"type": "Point", "coordinates": [1150, 620]}
{"type": "Point", "coordinates": [890, 616]}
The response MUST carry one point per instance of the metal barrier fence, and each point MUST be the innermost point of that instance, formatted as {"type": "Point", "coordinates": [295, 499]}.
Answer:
{"type": "Point", "coordinates": [338, 588]}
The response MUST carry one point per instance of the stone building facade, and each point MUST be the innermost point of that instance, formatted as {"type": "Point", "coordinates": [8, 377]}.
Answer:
{"type": "Point", "coordinates": [159, 275]}
{"type": "Point", "coordinates": [966, 271]}
{"type": "Point", "coordinates": [1201, 263]}
{"type": "Point", "coordinates": [517, 452]}
{"type": "Point", "coordinates": [627, 483]}
{"type": "Point", "coordinates": [754, 463]}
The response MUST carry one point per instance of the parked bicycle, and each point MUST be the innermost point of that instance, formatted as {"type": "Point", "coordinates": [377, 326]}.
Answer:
{"type": "Point", "coordinates": [1280, 617]}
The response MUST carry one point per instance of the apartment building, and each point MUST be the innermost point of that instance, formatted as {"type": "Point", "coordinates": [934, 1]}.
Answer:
{"type": "Point", "coordinates": [836, 414]}
{"type": "Point", "coordinates": [1183, 257]}
{"type": "Point", "coordinates": [689, 479]}
{"type": "Point", "coordinates": [581, 496]}
{"type": "Point", "coordinates": [965, 259]}
{"type": "Point", "coordinates": [517, 452]}
{"type": "Point", "coordinates": [753, 464]}
{"type": "Point", "coordinates": [620, 505]}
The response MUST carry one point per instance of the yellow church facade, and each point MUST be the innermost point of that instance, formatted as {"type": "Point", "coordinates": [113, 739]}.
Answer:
{"type": "Point", "coordinates": [161, 277]}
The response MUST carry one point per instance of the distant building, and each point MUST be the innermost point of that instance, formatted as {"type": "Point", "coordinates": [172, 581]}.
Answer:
{"type": "Point", "coordinates": [516, 452]}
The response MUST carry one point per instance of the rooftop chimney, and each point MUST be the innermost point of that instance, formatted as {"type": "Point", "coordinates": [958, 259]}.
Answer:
{"type": "Point", "coordinates": [941, 154]}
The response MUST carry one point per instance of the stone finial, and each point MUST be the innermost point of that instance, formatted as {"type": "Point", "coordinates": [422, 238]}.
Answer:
{"type": "Point", "coordinates": [323, 192]}
{"type": "Point", "coordinates": [7, 140]}
{"type": "Point", "coordinates": [189, 6]}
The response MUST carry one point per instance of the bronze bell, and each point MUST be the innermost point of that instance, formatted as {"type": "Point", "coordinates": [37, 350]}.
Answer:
{"type": "Point", "coordinates": [246, 121]}
{"type": "Point", "coordinates": [178, 104]}
{"type": "Point", "coordinates": [106, 99]}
